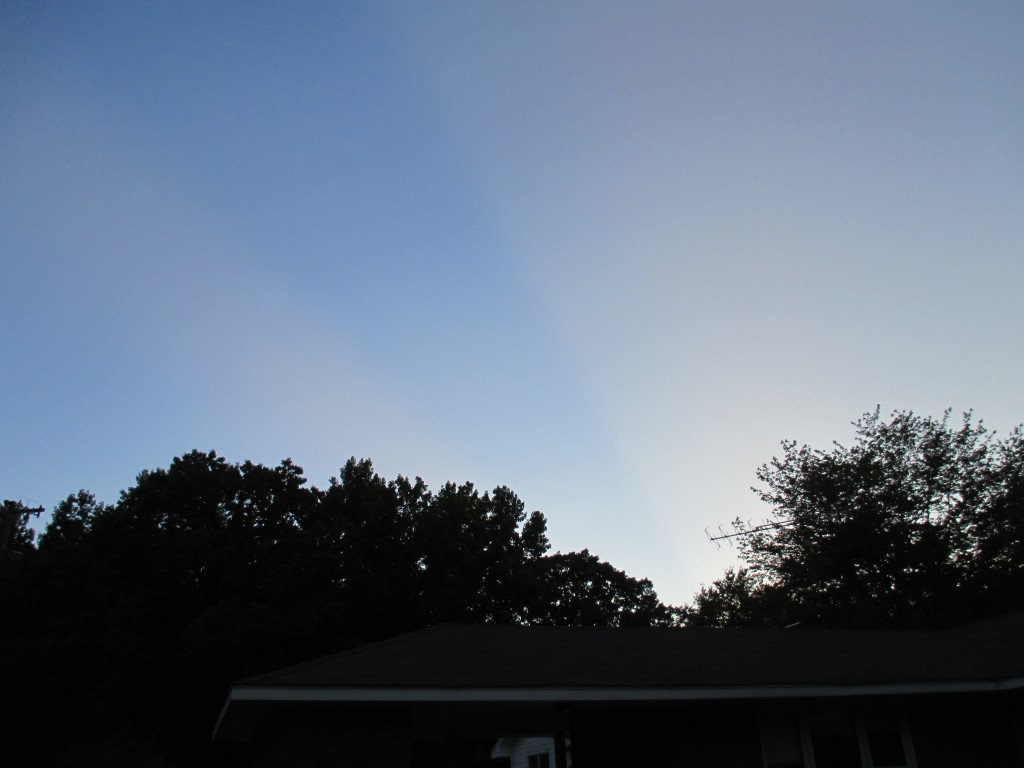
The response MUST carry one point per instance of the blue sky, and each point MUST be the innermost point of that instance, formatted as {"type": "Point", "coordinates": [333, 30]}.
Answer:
{"type": "Point", "coordinates": [607, 254]}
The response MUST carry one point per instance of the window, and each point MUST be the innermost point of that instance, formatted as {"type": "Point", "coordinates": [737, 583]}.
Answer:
{"type": "Point", "coordinates": [845, 740]}
{"type": "Point", "coordinates": [539, 760]}
{"type": "Point", "coordinates": [885, 741]}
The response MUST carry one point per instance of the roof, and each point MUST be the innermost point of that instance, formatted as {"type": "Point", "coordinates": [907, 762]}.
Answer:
{"type": "Point", "coordinates": [549, 666]}
{"type": "Point", "coordinates": [489, 656]}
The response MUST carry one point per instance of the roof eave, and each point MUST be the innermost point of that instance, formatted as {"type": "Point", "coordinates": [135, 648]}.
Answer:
{"type": "Point", "coordinates": [607, 694]}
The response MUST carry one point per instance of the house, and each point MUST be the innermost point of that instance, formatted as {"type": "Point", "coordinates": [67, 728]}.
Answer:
{"type": "Point", "coordinates": [764, 698]}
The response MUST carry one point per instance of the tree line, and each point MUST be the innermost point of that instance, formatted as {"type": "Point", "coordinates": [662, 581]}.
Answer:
{"type": "Point", "coordinates": [128, 621]}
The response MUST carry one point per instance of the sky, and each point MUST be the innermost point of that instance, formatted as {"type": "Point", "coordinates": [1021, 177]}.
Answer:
{"type": "Point", "coordinates": [606, 254]}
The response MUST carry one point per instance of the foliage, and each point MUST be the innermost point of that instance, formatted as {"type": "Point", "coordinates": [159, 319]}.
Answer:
{"type": "Point", "coordinates": [580, 590]}
{"type": "Point", "coordinates": [130, 620]}
{"type": "Point", "coordinates": [920, 522]}
{"type": "Point", "coordinates": [735, 600]}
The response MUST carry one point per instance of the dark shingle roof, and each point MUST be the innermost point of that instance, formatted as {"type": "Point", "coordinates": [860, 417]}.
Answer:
{"type": "Point", "coordinates": [469, 656]}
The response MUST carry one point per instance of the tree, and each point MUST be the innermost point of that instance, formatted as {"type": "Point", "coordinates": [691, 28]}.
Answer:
{"type": "Point", "coordinates": [579, 589]}
{"type": "Point", "coordinates": [478, 556]}
{"type": "Point", "coordinates": [919, 522]}
{"type": "Point", "coordinates": [735, 600]}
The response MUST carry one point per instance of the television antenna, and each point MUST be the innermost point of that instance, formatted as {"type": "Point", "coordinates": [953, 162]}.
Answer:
{"type": "Point", "coordinates": [739, 530]}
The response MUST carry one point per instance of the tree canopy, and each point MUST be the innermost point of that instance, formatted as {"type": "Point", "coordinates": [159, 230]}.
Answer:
{"type": "Point", "coordinates": [920, 522]}
{"type": "Point", "coordinates": [128, 621]}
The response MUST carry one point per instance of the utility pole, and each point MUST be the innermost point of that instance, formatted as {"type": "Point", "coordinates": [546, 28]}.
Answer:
{"type": "Point", "coordinates": [8, 529]}
{"type": "Point", "coordinates": [10, 558]}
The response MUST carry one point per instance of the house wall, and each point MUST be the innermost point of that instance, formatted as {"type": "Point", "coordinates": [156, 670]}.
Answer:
{"type": "Point", "coordinates": [666, 737]}
{"type": "Point", "coordinates": [310, 739]}
{"type": "Point", "coordinates": [948, 731]}
{"type": "Point", "coordinates": [961, 732]}
{"type": "Point", "coordinates": [945, 732]}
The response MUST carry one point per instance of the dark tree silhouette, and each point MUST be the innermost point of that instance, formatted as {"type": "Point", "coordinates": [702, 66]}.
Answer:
{"type": "Point", "coordinates": [737, 599]}
{"type": "Point", "coordinates": [919, 523]}
{"type": "Point", "coordinates": [130, 620]}
{"type": "Point", "coordinates": [580, 590]}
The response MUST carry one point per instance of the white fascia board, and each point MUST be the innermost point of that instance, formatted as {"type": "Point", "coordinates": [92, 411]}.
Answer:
{"type": "Point", "coordinates": [554, 695]}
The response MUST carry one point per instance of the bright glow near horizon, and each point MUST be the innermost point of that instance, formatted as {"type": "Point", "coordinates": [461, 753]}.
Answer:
{"type": "Point", "coordinates": [606, 254]}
